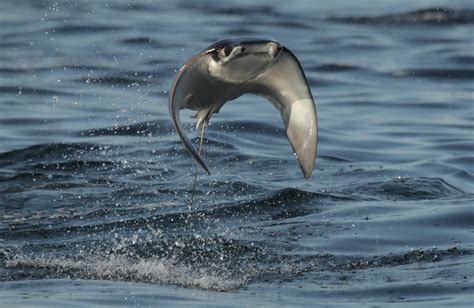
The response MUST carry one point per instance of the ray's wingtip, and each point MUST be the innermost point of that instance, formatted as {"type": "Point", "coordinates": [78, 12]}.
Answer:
{"type": "Point", "coordinates": [203, 165]}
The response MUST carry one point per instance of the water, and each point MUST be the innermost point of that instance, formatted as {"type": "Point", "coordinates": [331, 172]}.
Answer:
{"type": "Point", "coordinates": [94, 183]}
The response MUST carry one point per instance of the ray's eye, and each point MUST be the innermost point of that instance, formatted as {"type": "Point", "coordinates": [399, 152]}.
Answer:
{"type": "Point", "coordinates": [227, 50]}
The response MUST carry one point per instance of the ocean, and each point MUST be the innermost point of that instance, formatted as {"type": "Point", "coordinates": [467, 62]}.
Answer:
{"type": "Point", "coordinates": [95, 184]}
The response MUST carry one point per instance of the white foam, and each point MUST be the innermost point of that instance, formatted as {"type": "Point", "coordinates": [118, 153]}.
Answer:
{"type": "Point", "coordinates": [159, 270]}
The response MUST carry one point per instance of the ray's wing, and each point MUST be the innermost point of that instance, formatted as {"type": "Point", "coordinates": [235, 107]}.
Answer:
{"type": "Point", "coordinates": [285, 86]}
{"type": "Point", "coordinates": [179, 96]}
{"type": "Point", "coordinates": [282, 82]}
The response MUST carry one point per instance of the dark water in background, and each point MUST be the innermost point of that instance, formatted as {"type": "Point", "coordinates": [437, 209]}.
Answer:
{"type": "Point", "coordinates": [93, 180]}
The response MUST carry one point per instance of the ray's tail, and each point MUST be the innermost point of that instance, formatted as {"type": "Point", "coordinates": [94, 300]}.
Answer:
{"type": "Point", "coordinates": [193, 189]}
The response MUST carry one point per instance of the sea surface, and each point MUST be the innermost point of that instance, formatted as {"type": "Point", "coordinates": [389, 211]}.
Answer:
{"type": "Point", "coordinates": [95, 185]}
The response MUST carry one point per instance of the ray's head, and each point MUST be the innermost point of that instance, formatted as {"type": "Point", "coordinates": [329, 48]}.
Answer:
{"type": "Point", "coordinates": [242, 59]}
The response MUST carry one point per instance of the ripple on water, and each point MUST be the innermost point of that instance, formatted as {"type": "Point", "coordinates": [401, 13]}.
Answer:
{"type": "Point", "coordinates": [432, 16]}
{"type": "Point", "coordinates": [405, 188]}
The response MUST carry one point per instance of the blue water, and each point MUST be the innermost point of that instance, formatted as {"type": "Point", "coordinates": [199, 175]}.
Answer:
{"type": "Point", "coordinates": [94, 183]}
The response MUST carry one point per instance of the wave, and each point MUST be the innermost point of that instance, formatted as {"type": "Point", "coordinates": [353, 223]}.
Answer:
{"type": "Point", "coordinates": [405, 188]}
{"type": "Point", "coordinates": [30, 91]}
{"type": "Point", "coordinates": [280, 204]}
{"type": "Point", "coordinates": [122, 80]}
{"type": "Point", "coordinates": [232, 10]}
{"type": "Point", "coordinates": [334, 67]}
{"type": "Point", "coordinates": [144, 41]}
{"type": "Point", "coordinates": [78, 29]}
{"type": "Point", "coordinates": [285, 203]}
{"type": "Point", "coordinates": [240, 31]}
{"type": "Point", "coordinates": [134, 7]}
{"type": "Point", "coordinates": [438, 73]}
{"type": "Point", "coordinates": [431, 16]}
{"type": "Point", "coordinates": [11, 45]}
{"type": "Point", "coordinates": [157, 270]}
{"type": "Point", "coordinates": [48, 68]}
{"type": "Point", "coordinates": [211, 263]}
{"type": "Point", "coordinates": [461, 59]}
{"type": "Point", "coordinates": [137, 129]}
{"type": "Point", "coordinates": [48, 151]}
{"type": "Point", "coordinates": [75, 165]}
